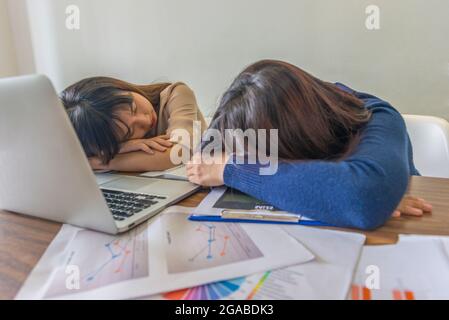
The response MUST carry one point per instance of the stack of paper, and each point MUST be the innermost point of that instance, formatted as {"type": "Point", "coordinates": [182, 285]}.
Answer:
{"type": "Point", "coordinates": [328, 276]}
{"type": "Point", "coordinates": [171, 257]}
{"type": "Point", "coordinates": [168, 253]}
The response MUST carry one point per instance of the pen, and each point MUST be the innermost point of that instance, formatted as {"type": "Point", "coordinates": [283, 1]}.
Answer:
{"type": "Point", "coordinates": [259, 215]}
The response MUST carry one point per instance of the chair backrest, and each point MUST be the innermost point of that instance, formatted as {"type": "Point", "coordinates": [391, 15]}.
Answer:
{"type": "Point", "coordinates": [430, 140]}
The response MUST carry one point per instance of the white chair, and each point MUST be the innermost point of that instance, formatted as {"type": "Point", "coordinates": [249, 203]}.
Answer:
{"type": "Point", "coordinates": [430, 142]}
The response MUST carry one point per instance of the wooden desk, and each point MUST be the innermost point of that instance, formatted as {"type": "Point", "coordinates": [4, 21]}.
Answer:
{"type": "Point", "coordinates": [23, 239]}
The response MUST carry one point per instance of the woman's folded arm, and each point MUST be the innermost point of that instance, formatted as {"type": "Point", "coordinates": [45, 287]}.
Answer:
{"type": "Point", "coordinates": [361, 191]}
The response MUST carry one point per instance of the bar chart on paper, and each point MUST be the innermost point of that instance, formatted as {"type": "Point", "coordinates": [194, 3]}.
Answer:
{"type": "Point", "coordinates": [192, 246]}
{"type": "Point", "coordinates": [415, 268]}
{"type": "Point", "coordinates": [109, 260]}
{"type": "Point", "coordinates": [360, 292]}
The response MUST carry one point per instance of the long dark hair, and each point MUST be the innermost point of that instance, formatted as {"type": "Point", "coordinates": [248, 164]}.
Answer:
{"type": "Point", "coordinates": [315, 119]}
{"type": "Point", "coordinates": [92, 106]}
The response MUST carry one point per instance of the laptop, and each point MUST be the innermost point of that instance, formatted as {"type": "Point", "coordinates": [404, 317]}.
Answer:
{"type": "Point", "coordinates": [44, 171]}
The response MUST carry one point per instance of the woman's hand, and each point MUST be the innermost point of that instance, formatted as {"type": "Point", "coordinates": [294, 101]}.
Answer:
{"type": "Point", "coordinates": [159, 143]}
{"type": "Point", "coordinates": [207, 172]}
{"type": "Point", "coordinates": [412, 206]}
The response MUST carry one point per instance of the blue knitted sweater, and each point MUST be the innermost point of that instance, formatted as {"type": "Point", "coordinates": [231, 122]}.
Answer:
{"type": "Point", "coordinates": [361, 191]}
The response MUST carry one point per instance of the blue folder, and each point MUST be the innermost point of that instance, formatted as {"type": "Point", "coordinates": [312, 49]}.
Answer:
{"type": "Point", "coordinates": [236, 200]}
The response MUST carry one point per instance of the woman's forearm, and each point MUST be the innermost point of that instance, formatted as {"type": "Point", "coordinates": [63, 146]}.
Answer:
{"type": "Point", "coordinates": [361, 191]}
{"type": "Point", "coordinates": [140, 161]}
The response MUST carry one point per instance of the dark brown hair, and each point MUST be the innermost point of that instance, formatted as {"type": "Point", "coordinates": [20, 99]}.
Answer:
{"type": "Point", "coordinates": [92, 106]}
{"type": "Point", "coordinates": [315, 119]}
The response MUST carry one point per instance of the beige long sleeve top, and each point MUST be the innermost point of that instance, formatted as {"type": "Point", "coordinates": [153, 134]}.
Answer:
{"type": "Point", "coordinates": [178, 109]}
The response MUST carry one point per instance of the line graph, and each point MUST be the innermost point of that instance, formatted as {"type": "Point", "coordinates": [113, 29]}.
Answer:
{"type": "Point", "coordinates": [212, 238]}
{"type": "Point", "coordinates": [107, 260]}
{"type": "Point", "coordinates": [121, 253]}
{"type": "Point", "coordinates": [193, 246]}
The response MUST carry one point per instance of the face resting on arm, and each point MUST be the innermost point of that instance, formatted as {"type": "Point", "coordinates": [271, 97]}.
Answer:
{"type": "Point", "coordinates": [342, 155]}
{"type": "Point", "coordinates": [122, 126]}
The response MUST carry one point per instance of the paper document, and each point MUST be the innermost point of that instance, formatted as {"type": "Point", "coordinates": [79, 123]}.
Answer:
{"type": "Point", "coordinates": [417, 267]}
{"type": "Point", "coordinates": [167, 253]}
{"type": "Point", "coordinates": [328, 276]}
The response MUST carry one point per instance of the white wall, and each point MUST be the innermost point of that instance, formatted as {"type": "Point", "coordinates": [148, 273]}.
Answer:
{"type": "Point", "coordinates": [207, 42]}
{"type": "Point", "coordinates": [8, 63]}
{"type": "Point", "coordinates": [20, 32]}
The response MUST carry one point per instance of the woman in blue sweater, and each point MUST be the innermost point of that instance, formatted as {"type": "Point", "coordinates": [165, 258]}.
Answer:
{"type": "Point", "coordinates": [345, 156]}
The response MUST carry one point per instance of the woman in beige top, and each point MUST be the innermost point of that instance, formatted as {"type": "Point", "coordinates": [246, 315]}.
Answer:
{"type": "Point", "coordinates": [127, 127]}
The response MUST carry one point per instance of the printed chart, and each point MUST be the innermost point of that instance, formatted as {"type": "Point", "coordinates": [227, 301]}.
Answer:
{"type": "Point", "coordinates": [108, 260]}
{"type": "Point", "coordinates": [192, 246]}
{"type": "Point", "coordinates": [400, 292]}
{"type": "Point", "coordinates": [261, 286]}
{"type": "Point", "coordinates": [415, 268]}
{"type": "Point", "coordinates": [236, 289]}
{"type": "Point", "coordinates": [213, 291]}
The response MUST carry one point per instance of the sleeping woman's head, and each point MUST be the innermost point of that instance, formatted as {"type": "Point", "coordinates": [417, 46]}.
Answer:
{"type": "Point", "coordinates": [315, 119]}
{"type": "Point", "coordinates": [106, 112]}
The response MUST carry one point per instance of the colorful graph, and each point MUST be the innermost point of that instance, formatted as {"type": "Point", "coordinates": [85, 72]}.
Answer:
{"type": "Point", "coordinates": [109, 260]}
{"type": "Point", "coordinates": [118, 252]}
{"type": "Point", "coordinates": [359, 292]}
{"type": "Point", "coordinates": [403, 295]}
{"type": "Point", "coordinates": [212, 237]}
{"type": "Point", "coordinates": [213, 291]}
{"type": "Point", "coordinates": [192, 246]}
{"type": "Point", "coordinates": [220, 290]}
{"type": "Point", "coordinates": [258, 286]}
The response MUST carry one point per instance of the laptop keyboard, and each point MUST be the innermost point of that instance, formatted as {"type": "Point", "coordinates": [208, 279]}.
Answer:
{"type": "Point", "coordinates": [126, 204]}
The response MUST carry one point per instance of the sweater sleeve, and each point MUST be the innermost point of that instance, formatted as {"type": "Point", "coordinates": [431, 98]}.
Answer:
{"type": "Point", "coordinates": [361, 191]}
{"type": "Point", "coordinates": [182, 110]}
